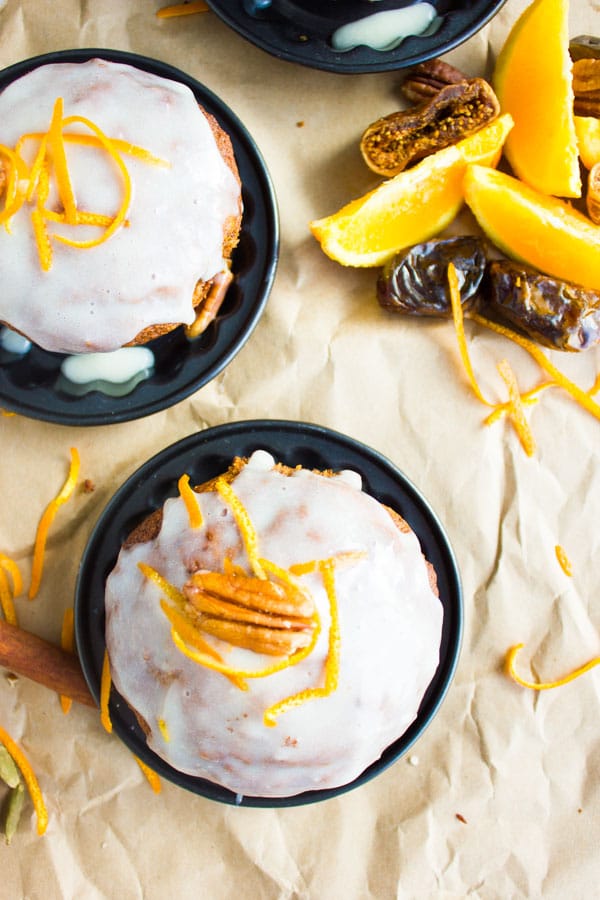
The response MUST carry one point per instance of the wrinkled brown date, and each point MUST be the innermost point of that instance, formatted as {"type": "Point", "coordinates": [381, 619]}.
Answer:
{"type": "Point", "coordinates": [415, 282]}
{"type": "Point", "coordinates": [554, 313]}
{"type": "Point", "coordinates": [396, 141]}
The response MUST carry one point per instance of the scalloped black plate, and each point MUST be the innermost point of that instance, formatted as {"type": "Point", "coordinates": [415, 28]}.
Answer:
{"type": "Point", "coordinates": [203, 456]}
{"type": "Point", "coordinates": [28, 385]}
{"type": "Point", "coordinates": [301, 31]}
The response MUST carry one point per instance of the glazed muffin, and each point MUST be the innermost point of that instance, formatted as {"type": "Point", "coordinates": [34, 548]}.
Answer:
{"type": "Point", "coordinates": [275, 630]}
{"type": "Point", "coordinates": [121, 144]}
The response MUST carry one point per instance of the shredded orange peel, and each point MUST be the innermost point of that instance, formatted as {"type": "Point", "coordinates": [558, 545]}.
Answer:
{"type": "Point", "coordinates": [105, 687]}
{"type": "Point", "coordinates": [31, 183]}
{"type": "Point", "coordinates": [151, 776]}
{"type": "Point", "coordinates": [563, 560]}
{"type": "Point", "coordinates": [544, 685]}
{"type": "Point", "coordinates": [181, 9]}
{"type": "Point", "coordinates": [30, 780]}
{"type": "Point", "coordinates": [514, 407]}
{"type": "Point", "coordinates": [66, 642]}
{"type": "Point", "coordinates": [46, 521]}
{"type": "Point", "coordinates": [186, 637]}
{"type": "Point", "coordinates": [8, 567]}
{"type": "Point", "coordinates": [190, 498]}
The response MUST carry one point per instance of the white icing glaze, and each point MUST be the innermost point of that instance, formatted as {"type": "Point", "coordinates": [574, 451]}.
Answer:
{"type": "Point", "coordinates": [384, 30]}
{"type": "Point", "coordinates": [115, 366]}
{"type": "Point", "coordinates": [101, 298]}
{"type": "Point", "coordinates": [13, 342]}
{"type": "Point", "coordinates": [390, 624]}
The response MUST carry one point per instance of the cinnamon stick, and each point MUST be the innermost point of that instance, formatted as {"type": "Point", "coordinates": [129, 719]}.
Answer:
{"type": "Point", "coordinates": [31, 656]}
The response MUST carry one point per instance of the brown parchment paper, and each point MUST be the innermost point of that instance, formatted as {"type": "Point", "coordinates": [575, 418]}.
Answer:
{"type": "Point", "coordinates": [520, 768]}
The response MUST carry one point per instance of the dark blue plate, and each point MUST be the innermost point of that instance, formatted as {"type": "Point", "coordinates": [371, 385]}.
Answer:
{"type": "Point", "coordinates": [300, 30]}
{"type": "Point", "coordinates": [28, 385]}
{"type": "Point", "coordinates": [203, 456]}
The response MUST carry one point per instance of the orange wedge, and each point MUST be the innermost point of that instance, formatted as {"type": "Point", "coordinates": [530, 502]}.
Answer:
{"type": "Point", "coordinates": [587, 129]}
{"type": "Point", "coordinates": [532, 80]}
{"type": "Point", "coordinates": [412, 206]}
{"type": "Point", "coordinates": [534, 228]}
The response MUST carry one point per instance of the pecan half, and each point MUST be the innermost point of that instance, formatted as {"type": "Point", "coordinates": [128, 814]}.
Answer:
{"type": "Point", "coordinates": [257, 614]}
{"type": "Point", "coordinates": [426, 79]}
{"type": "Point", "coordinates": [586, 87]}
{"type": "Point", "coordinates": [396, 141]}
{"type": "Point", "coordinates": [593, 194]}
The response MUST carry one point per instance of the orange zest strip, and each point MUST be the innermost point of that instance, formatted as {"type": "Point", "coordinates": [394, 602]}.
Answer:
{"type": "Point", "coordinates": [17, 170]}
{"type": "Point", "coordinates": [105, 686]}
{"type": "Point", "coordinates": [6, 600]}
{"type": "Point", "coordinates": [332, 662]}
{"type": "Point", "coordinates": [528, 398]}
{"type": "Point", "coordinates": [191, 500]}
{"type": "Point", "coordinates": [152, 777]}
{"type": "Point", "coordinates": [56, 147]}
{"type": "Point", "coordinates": [595, 387]}
{"type": "Point", "coordinates": [459, 327]}
{"type": "Point", "coordinates": [544, 685]}
{"type": "Point", "coordinates": [10, 566]}
{"type": "Point", "coordinates": [47, 519]}
{"type": "Point", "coordinates": [38, 220]}
{"type": "Point", "coordinates": [516, 411]}
{"type": "Point", "coordinates": [66, 642]}
{"type": "Point", "coordinates": [181, 9]}
{"type": "Point", "coordinates": [119, 218]}
{"type": "Point", "coordinates": [162, 727]}
{"type": "Point", "coordinates": [36, 168]}
{"type": "Point", "coordinates": [580, 396]}
{"type": "Point", "coordinates": [186, 631]}
{"type": "Point", "coordinates": [90, 140]}
{"type": "Point", "coordinates": [244, 524]}
{"type": "Point", "coordinates": [30, 780]}
{"type": "Point", "coordinates": [563, 560]}
{"type": "Point", "coordinates": [168, 589]}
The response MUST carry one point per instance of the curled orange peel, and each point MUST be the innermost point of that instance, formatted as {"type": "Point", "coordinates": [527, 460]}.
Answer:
{"type": "Point", "coordinates": [6, 600]}
{"type": "Point", "coordinates": [243, 522]}
{"type": "Point", "coordinates": [30, 779]}
{"type": "Point", "coordinates": [544, 685]}
{"type": "Point", "coordinates": [47, 519]}
{"type": "Point", "coordinates": [515, 409]}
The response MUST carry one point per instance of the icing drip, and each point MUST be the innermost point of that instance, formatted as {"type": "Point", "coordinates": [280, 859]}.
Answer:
{"type": "Point", "coordinates": [387, 29]}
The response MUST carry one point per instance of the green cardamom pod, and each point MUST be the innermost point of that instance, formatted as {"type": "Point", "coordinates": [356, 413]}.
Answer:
{"type": "Point", "coordinates": [14, 808]}
{"type": "Point", "coordinates": [8, 769]}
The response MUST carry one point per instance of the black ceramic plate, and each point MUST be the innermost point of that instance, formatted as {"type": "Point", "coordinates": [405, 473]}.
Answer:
{"type": "Point", "coordinates": [28, 385]}
{"type": "Point", "coordinates": [300, 30]}
{"type": "Point", "coordinates": [203, 456]}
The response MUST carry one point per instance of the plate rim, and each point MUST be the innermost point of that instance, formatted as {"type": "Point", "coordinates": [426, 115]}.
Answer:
{"type": "Point", "coordinates": [259, 431]}
{"type": "Point", "coordinates": [350, 62]}
{"type": "Point", "coordinates": [127, 410]}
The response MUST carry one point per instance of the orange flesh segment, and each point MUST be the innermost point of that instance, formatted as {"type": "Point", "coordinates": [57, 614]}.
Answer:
{"type": "Point", "coordinates": [533, 228]}
{"type": "Point", "coordinates": [30, 780]}
{"type": "Point", "coordinates": [412, 206]}
{"type": "Point", "coordinates": [46, 521]}
{"type": "Point", "coordinates": [532, 80]}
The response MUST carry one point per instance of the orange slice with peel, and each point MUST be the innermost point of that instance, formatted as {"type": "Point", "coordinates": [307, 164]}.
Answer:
{"type": "Point", "coordinates": [534, 228]}
{"type": "Point", "coordinates": [412, 206]}
{"type": "Point", "coordinates": [533, 82]}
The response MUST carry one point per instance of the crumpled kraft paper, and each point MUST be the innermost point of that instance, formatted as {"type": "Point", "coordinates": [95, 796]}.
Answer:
{"type": "Point", "coordinates": [500, 796]}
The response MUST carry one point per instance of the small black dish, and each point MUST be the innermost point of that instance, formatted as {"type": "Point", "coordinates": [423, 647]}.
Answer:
{"type": "Point", "coordinates": [300, 30]}
{"type": "Point", "coordinates": [203, 456]}
{"type": "Point", "coordinates": [30, 384]}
